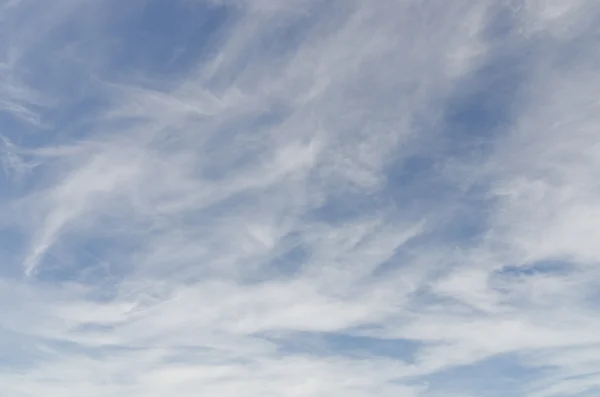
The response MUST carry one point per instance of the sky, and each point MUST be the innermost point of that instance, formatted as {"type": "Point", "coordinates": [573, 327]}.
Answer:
{"type": "Point", "coordinates": [299, 198]}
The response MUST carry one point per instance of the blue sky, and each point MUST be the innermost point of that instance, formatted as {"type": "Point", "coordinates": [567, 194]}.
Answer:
{"type": "Point", "coordinates": [299, 198]}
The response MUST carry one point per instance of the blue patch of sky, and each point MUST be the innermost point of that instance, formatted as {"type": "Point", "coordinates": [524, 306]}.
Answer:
{"type": "Point", "coordinates": [327, 344]}
{"type": "Point", "coordinates": [95, 261]}
{"type": "Point", "coordinates": [149, 43]}
{"type": "Point", "coordinates": [92, 327]}
{"type": "Point", "coordinates": [203, 354]}
{"type": "Point", "coordinates": [342, 207]}
{"type": "Point", "coordinates": [556, 267]}
{"type": "Point", "coordinates": [14, 127]}
{"type": "Point", "coordinates": [17, 351]}
{"type": "Point", "coordinates": [292, 31]}
{"type": "Point", "coordinates": [166, 39]}
{"type": "Point", "coordinates": [291, 255]}
{"type": "Point", "coordinates": [216, 212]}
{"type": "Point", "coordinates": [289, 33]}
{"type": "Point", "coordinates": [573, 52]}
{"type": "Point", "coordinates": [152, 38]}
{"type": "Point", "coordinates": [250, 136]}
{"type": "Point", "coordinates": [478, 112]}
{"type": "Point", "coordinates": [11, 245]}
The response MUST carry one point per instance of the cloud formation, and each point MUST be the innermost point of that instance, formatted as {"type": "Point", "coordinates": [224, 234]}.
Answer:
{"type": "Point", "coordinates": [299, 198]}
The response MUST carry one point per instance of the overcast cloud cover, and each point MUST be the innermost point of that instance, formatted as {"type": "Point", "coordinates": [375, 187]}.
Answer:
{"type": "Point", "coordinates": [304, 198]}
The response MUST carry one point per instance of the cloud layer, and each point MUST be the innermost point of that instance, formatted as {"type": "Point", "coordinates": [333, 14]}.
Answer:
{"type": "Point", "coordinates": [299, 198]}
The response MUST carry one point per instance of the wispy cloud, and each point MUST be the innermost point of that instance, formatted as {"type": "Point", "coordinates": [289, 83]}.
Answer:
{"type": "Point", "coordinates": [303, 198]}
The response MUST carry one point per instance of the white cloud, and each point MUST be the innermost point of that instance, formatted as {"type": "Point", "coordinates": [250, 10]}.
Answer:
{"type": "Point", "coordinates": [300, 178]}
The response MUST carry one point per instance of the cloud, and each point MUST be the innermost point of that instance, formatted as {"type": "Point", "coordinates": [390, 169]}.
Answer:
{"type": "Point", "coordinates": [299, 198]}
